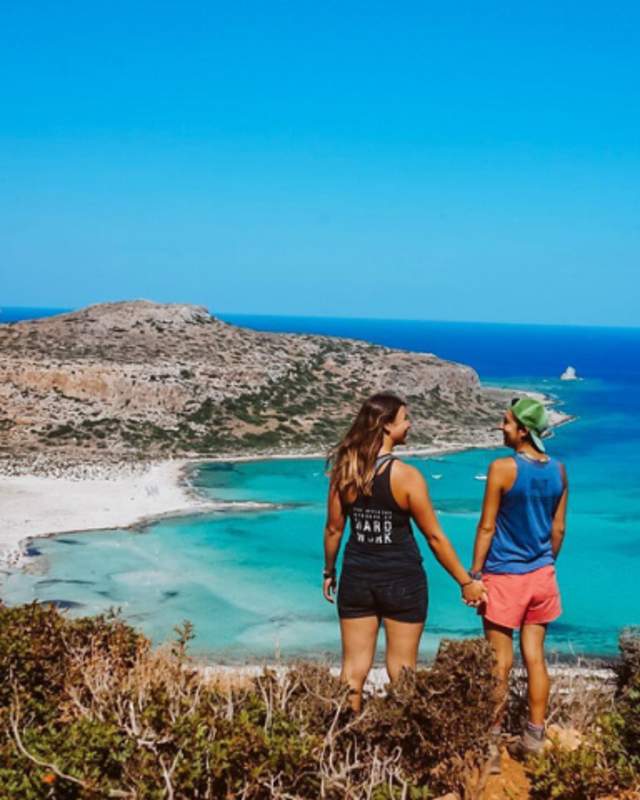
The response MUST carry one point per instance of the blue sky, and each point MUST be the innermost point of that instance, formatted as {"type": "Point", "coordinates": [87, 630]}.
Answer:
{"type": "Point", "coordinates": [410, 160]}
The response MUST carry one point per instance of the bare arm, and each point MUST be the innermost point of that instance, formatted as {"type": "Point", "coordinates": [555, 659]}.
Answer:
{"type": "Point", "coordinates": [499, 478]}
{"type": "Point", "coordinates": [333, 530]}
{"type": "Point", "coordinates": [425, 517]}
{"type": "Point", "coordinates": [559, 518]}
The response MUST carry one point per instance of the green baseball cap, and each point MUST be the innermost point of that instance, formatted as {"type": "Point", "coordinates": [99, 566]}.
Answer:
{"type": "Point", "coordinates": [533, 416]}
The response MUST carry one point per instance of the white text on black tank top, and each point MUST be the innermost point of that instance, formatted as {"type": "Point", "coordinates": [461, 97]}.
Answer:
{"type": "Point", "coordinates": [372, 525]}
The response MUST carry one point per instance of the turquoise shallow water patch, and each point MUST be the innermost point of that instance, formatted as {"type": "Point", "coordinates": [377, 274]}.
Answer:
{"type": "Point", "coordinates": [250, 582]}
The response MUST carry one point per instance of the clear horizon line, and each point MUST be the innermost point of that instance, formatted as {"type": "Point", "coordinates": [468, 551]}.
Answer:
{"type": "Point", "coordinates": [221, 314]}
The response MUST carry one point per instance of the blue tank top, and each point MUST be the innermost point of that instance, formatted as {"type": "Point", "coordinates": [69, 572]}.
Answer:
{"type": "Point", "coordinates": [522, 539]}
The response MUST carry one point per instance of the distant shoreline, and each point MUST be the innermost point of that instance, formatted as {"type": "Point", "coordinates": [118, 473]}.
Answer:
{"type": "Point", "coordinates": [129, 496]}
{"type": "Point", "coordinates": [125, 496]}
{"type": "Point", "coordinates": [95, 496]}
{"type": "Point", "coordinates": [601, 671]}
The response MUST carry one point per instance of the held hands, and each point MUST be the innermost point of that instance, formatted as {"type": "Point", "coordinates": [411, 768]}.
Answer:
{"type": "Point", "coordinates": [474, 594]}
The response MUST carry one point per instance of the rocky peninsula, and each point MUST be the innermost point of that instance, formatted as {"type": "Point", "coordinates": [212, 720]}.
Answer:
{"type": "Point", "coordinates": [103, 409]}
{"type": "Point", "coordinates": [140, 380]}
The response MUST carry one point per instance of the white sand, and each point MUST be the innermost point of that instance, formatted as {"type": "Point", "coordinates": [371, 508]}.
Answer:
{"type": "Point", "coordinates": [114, 497]}
{"type": "Point", "coordinates": [36, 506]}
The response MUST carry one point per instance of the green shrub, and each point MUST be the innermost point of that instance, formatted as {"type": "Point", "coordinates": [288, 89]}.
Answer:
{"type": "Point", "coordinates": [88, 710]}
{"type": "Point", "coordinates": [608, 760]}
{"type": "Point", "coordinates": [440, 718]}
{"type": "Point", "coordinates": [61, 430]}
{"type": "Point", "coordinates": [40, 650]}
{"type": "Point", "coordinates": [599, 766]}
{"type": "Point", "coordinates": [628, 690]}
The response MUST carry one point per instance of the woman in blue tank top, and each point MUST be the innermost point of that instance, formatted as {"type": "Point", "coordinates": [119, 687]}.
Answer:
{"type": "Point", "coordinates": [382, 574]}
{"type": "Point", "coordinates": [518, 540]}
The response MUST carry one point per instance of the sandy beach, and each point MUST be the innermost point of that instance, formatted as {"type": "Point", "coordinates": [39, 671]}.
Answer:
{"type": "Point", "coordinates": [105, 497]}
{"type": "Point", "coordinates": [102, 498]}
{"type": "Point", "coordinates": [39, 505]}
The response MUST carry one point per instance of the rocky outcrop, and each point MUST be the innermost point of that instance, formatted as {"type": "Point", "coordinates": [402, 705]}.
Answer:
{"type": "Point", "coordinates": [142, 379]}
{"type": "Point", "coordinates": [569, 374]}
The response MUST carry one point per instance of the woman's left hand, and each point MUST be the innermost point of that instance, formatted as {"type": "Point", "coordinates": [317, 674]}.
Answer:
{"type": "Point", "coordinates": [329, 588]}
{"type": "Point", "coordinates": [474, 593]}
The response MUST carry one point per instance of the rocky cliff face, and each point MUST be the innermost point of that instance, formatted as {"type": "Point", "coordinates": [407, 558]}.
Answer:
{"type": "Point", "coordinates": [140, 379]}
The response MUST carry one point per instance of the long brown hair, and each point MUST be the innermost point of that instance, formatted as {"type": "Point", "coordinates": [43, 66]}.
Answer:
{"type": "Point", "coordinates": [352, 461]}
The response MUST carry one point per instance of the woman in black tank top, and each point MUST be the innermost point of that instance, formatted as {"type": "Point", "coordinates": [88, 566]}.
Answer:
{"type": "Point", "coordinates": [382, 575]}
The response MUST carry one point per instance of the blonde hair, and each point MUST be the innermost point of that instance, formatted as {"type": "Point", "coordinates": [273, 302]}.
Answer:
{"type": "Point", "coordinates": [352, 460]}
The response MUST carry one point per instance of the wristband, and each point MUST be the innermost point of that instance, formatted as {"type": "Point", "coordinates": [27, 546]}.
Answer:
{"type": "Point", "coordinates": [329, 573]}
{"type": "Point", "coordinates": [475, 576]}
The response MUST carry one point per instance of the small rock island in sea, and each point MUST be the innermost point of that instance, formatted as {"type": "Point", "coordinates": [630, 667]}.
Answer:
{"type": "Point", "coordinates": [140, 380]}
{"type": "Point", "coordinates": [569, 375]}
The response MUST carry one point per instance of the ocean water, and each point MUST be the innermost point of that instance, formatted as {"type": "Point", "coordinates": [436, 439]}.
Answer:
{"type": "Point", "coordinates": [13, 314]}
{"type": "Point", "coordinates": [250, 582]}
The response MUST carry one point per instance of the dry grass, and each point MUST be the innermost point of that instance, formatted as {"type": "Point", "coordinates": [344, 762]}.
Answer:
{"type": "Point", "coordinates": [90, 709]}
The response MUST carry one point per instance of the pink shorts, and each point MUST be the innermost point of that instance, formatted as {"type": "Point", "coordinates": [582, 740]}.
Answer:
{"type": "Point", "coordinates": [516, 600]}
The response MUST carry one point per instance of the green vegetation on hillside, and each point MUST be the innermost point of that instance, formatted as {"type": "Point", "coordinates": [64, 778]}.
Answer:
{"type": "Point", "coordinates": [89, 710]}
{"type": "Point", "coordinates": [87, 707]}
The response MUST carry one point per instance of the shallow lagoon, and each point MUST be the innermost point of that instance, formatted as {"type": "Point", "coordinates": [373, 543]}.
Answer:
{"type": "Point", "coordinates": [250, 582]}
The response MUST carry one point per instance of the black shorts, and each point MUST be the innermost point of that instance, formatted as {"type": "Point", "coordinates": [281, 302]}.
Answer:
{"type": "Point", "coordinates": [403, 599]}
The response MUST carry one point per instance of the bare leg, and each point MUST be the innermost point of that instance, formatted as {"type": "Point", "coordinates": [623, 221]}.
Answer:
{"type": "Point", "coordinates": [532, 648]}
{"type": "Point", "coordinates": [403, 639]}
{"type": "Point", "coordinates": [501, 640]}
{"type": "Point", "coordinates": [358, 649]}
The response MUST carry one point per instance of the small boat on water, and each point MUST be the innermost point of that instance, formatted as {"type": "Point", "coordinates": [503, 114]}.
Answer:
{"type": "Point", "coordinates": [480, 477]}
{"type": "Point", "coordinates": [436, 477]}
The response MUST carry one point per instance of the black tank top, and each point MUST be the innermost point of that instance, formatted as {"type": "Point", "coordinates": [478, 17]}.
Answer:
{"type": "Point", "coordinates": [381, 539]}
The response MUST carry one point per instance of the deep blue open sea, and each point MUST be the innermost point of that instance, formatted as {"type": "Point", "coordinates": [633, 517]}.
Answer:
{"type": "Point", "coordinates": [250, 581]}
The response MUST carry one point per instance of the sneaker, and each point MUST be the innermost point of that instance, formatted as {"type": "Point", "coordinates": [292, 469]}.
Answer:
{"type": "Point", "coordinates": [532, 743]}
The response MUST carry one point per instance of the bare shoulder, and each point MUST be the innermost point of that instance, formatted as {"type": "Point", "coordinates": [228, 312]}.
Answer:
{"type": "Point", "coordinates": [503, 470]}
{"type": "Point", "coordinates": [406, 482]}
{"type": "Point", "coordinates": [405, 472]}
{"type": "Point", "coordinates": [503, 464]}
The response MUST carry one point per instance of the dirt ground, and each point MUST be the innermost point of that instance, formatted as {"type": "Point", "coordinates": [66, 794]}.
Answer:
{"type": "Point", "coordinates": [511, 784]}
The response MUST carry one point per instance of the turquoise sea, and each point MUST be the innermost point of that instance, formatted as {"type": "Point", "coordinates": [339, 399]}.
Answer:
{"type": "Point", "coordinates": [250, 580]}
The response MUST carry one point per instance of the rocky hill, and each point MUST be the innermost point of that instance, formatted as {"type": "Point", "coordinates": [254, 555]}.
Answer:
{"type": "Point", "coordinates": [139, 379]}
